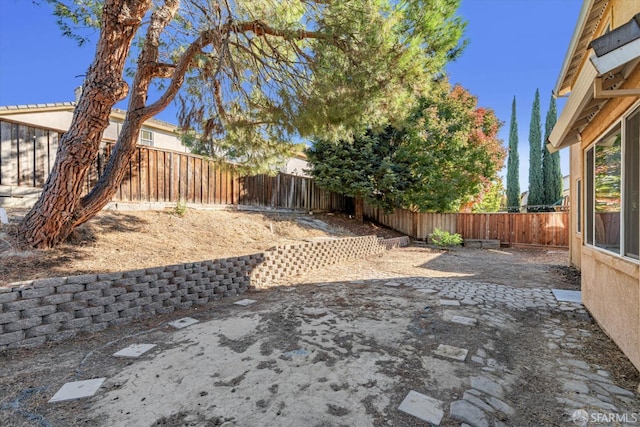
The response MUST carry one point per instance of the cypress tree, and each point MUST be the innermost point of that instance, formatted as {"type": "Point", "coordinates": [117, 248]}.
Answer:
{"type": "Point", "coordinates": [551, 173]}
{"type": "Point", "coordinates": [535, 155]}
{"type": "Point", "coordinates": [513, 164]}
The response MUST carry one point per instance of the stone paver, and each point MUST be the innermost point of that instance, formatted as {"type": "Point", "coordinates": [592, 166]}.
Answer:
{"type": "Point", "coordinates": [462, 410]}
{"type": "Point", "coordinates": [183, 323]}
{"type": "Point", "coordinates": [77, 390]}
{"type": "Point", "coordinates": [469, 321]}
{"type": "Point", "coordinates": [451, 352]}
{"type": "Point", "coordinates": [245, 302]}
{"type": "Point", "coordinates": [487, 385]}
{"type": "Point", "coordinates": [424, 407]}
{"type": "Point", "coordinates": [448, 302]}
{"type": "Point", "coordinates": [134, 350]}
{"type": "Point", "coordinates": [567, 296]}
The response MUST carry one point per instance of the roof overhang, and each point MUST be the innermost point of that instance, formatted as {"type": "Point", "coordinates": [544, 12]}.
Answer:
{"type": "Point", "coordinates": [588, 20]}
{"type": "Point", "coordinates": [615, 55]}
{"type": "Point", "coordinates": [11, 110]}
{"type": "Point", "coordinates": [36, 108]}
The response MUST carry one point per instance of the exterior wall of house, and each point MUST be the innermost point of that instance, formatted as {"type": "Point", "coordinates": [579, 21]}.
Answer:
{"type": "Point", "coordinates": [296, 166]}
{"type": "Point", "coordinates": [576, 207]}
{"type": "Point", "coordinates": [59, 118]}
{"type": "Point", "coordinates": [610, 283]}
{"type": "Point", "coordinates": [166, 140]}
{"type": "Point", "coordinates": [55, 119]}
{"type": "Point", "coordinates": [611, 292]}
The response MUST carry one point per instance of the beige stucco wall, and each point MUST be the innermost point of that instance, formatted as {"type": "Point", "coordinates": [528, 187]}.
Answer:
{"type": "Point", "coordinates": [610, 284]}
{"type": "Point", "coordinates": [166, 140]}
{"type": "Point", "coordinates": [611, 292]}
{"type": "Point", "coordinates": [55, 119]}
{"type": "Point", "coordinates": [60, 119]}
{"type": "Point", "coordinates": [575, 238]}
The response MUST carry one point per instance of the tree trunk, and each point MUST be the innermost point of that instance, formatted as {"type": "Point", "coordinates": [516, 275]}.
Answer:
{"type": "Point", "coordinates": [59, 209]}
{"type": "Point", "coordinates": [359, 202]}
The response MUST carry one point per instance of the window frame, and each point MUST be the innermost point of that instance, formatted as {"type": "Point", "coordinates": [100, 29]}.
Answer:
{"type": "Point", "coordinates": [146, 141]}
{"type": "Point", "coordinates": [589, 200]}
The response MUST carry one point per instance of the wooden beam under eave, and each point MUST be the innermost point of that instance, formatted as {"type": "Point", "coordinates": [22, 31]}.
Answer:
{"type": "Point", "coordinates": [611, 111]}
{"type": "Point", "coordinates": [600, 93]}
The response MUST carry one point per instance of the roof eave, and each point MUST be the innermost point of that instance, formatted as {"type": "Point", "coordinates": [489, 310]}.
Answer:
{"type": "Point", "coordinates": [581, 95]}
{"type": "Point", "coordinates": [560, 88]}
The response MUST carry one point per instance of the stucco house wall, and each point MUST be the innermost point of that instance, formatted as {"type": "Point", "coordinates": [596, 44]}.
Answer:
{"type": "Point", "coordinates": [58, 117]}
{"type": "Point", "coordinates": [610, 280]}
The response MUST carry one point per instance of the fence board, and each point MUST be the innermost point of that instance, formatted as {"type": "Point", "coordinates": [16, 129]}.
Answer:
{"type": "Point", "coordinates": [539, 229]}
{"type": "Point", "coordinates": [161, 176]}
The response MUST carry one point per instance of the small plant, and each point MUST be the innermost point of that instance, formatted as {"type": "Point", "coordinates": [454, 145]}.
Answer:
{"type": "Point", "coordinates": [444, 238]}
{"type": "Point", "coordinates": [181, 208]}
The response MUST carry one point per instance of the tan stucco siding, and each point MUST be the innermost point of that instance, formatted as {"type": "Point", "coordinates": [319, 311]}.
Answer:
{"type": "Point", "coordinates": [611, 293]}
{"type": "Point", "coordinates": [56, 120]}
{"type": "Point", "coordinates": [575, 238]}
{"type": "Point", "coordinates": [622, 11]}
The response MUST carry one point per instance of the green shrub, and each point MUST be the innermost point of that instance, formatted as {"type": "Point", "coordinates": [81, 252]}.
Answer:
{"type": "Point", "coordinates": [444, 238]}
{"type": "Point", "coordinates": [181, 208]}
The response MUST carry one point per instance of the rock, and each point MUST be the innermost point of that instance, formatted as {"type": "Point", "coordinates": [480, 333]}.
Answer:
{"type": "Point", "coordinates": [423, 407]}
{"type": "Point", "coordinates": [500, 406]}
{"type": "Point", "coordinates": [575, 387]}
{"type": "Point", "coordinates": [612, 388]}
{"type": "Point", "coordinates": [488, 386]}
{"type": "Point", "coordinates": [464, 411]}
{"type": "Point", "coordinates": [477, 402]}
{"type": "Point", "coordinates": [451, 352]}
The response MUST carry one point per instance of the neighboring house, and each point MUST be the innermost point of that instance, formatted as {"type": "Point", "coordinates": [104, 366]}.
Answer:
{"type": "Point", "coordinates": [600, 122]}
{"type": "Point", "coordinates": [29, 137]}
{"type": "Point", "coordinates": [297, 165]}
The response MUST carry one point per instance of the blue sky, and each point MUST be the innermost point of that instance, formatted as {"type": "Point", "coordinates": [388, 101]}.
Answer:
{"type": "Point", "coordinates": [515, 47]}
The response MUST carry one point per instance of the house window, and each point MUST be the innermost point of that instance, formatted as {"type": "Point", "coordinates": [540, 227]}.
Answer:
{"type": "Point", "coordinates": [589, 197]}
{"type": "Point", "coordinates": [612, 181]}
{"type": "Point", "coordinates": [146, 137]}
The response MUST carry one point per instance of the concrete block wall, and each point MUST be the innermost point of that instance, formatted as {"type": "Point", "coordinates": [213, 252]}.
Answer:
{"type": "Point", "coordinates": [396, 242]}
{"type": "Point", "coordinates": [58, 308]}
{"type": "Point", "coordinates": [286, 261]}
{"type": "Point", "coordinates": [54, 309]}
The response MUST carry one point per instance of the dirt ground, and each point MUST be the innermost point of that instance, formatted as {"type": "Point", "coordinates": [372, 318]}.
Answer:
{"type": "Point", "coordinates": [115, 240]}
{"type": "Point", "coordinates": [341, 346]}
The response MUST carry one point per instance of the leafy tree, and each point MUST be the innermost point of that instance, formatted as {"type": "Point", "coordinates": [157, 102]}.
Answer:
{"type": "Point", "coordinates": [536, 191]}
{"type": "Point", "coordinates": [513, 164]}
{"type": "Point", "coordinates": [247, 75]}
{"type": "Point", "coordinates": [492, 200]}
{"type": "Point", "coordinates": [372, 168]}
{"type": "Point", "coordinates": [551, 172]}
{"type": "Point", "coordinates": [443, 156]}
{"type": "Point", "coordinates": [455, 150]}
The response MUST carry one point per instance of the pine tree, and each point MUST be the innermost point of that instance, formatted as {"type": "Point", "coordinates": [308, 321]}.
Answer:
{"type": "Point", "coordinates": [535, 155]}
{"type": "Point", "coordinates": [513, 164]}
{"type": "Point", "coordinates": [248, 76]}
{"type": "Point", "coordinates": [551, 173]}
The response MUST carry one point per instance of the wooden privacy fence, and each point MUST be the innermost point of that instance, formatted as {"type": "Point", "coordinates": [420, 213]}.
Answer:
{"type": "Point", "coordinates": [155, 175]}
{"type": "Point", "coordinates": [536, 229]}
{"type": "Point", "coordinates": [413, 224]}
{"type": "Point", "coordinates": [164, 176]}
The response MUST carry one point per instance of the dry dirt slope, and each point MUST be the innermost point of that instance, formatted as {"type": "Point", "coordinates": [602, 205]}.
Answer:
{"type": "Point", "coordinates": [115, 241]}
